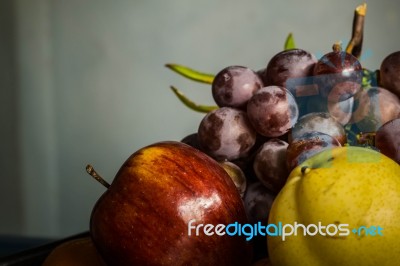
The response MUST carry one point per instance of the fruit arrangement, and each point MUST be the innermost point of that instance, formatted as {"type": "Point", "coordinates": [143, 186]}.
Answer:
{"type": "Point", "coordinates": [304, 140]}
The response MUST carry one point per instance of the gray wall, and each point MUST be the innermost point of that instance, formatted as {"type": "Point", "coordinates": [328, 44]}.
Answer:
{"type": "Point", "coordinates": [82, 81]}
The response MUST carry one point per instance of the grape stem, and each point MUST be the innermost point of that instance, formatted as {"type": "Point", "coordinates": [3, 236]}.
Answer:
{"type": "Point", "coordinates": [355, 45]}
{"type": "Point", "coordinates": [190, 104]}
{"type": "Point", "coordinates": [337, 47]}
{"type": "Point", "coordinates": [90, 170]}
{"type": "Point", "coordinates": [191, 73]}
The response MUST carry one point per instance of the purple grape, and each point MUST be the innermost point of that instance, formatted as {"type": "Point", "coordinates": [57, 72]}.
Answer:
{"type": "Point", "coordinates": [234, 85]}
{"type": "Point", "coordinates": [387, 139]}
{"type": "Point", "coordinates": [192, 140]}
{"type": "Point", "coordinates": [344, 90]}
{"type": "Point", "coordinates": [260, 74]}
{"type": "Point", "coordinates": [270, 164]}
{"type": "Point", "coordinates": [294, 63]}
{"type": "Point", "coordinates": [338, 70]}
{"type": "Point", "coordinates": [390, 73]}
{"type": "Point", "coordinates": [376, 106]}
{"type": "Point", "coordinates": [246, 163]}
{"type": "Point", "coordinates": [341, 111]}
{"type": "Point", "coordinates": [257, 202]}
{"type": "Point", "coordinates": [319, 122]}
{"type": "Point", "coordinates": [306, 146]}
{"type": "Point", "coordinates": [272, 111]}
{"type": "Point", "coordinates": [226, 134]}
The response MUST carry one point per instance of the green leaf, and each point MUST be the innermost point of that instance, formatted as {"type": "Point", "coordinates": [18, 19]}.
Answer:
{"type": "Point", "coordinates": [191, 73]}
{"type": "Point", "coordinates": [192, 105]}
{"type": "Point", "coordinates": [289, 43]}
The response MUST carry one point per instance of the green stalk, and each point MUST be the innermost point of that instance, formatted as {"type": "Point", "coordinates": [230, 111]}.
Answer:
{"type": "Point", "coordinates": [190, 104]}
{"type": "Point", "coordinates": [191, 73]}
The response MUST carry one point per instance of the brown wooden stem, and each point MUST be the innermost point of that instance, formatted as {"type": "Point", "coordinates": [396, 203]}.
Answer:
{"type": "Point", "coordinates": [355, 45]}
{"type": "Point", "coordinates": [90, 170]}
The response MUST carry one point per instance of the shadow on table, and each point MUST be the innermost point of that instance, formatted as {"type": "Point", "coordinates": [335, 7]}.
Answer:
{"type": "Point", "coordinates": [20, 251]}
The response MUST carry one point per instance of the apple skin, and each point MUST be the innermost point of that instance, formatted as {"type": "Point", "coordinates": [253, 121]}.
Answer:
{"type": "Point", "coordinates": [142, 219]}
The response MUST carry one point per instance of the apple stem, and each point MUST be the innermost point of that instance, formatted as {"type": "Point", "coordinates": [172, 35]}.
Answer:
{"type": "Point", "coordinates": [90, 170]}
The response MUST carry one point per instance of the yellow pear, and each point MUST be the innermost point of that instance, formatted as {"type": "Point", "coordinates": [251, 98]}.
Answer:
{"type": "Point", "coordinates": [352, 196]}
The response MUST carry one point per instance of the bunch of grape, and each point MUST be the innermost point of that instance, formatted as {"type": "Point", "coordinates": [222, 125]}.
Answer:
{"type": "Point", "coordinates": [273, 119]}
{"type": "Point", "coordinates": [267, 122]}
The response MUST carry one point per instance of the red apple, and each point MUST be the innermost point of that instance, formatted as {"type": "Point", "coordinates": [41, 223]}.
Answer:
{"type": "Point", "coordinates": [143, 217]}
